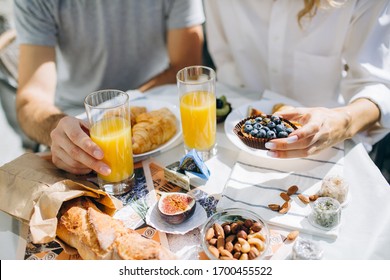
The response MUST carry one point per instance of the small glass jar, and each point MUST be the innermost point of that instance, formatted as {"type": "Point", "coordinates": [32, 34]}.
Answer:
{"type": "Point", "coordinates": [325, 213]}
{"type": "Point", "coordinates": [336, 187]}
{"type": "Point", "coordinates": [306, 250]}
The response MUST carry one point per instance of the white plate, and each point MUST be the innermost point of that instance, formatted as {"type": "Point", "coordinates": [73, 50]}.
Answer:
{"type": "Point", "coordinates": [154, 219]}
{"type": "Point", "coordinates": [241, 113]}
{"type": "Point", "coordinates": [155, 105]}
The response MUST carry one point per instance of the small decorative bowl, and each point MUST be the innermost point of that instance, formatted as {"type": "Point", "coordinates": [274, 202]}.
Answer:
{"type": "Point", "coordinates": [235, 233]}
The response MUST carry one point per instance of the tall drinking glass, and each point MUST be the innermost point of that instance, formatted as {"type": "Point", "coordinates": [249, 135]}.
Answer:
{"type": "Point", "coordinates": [196, 85]}
{"type": "Point", "coordinates": [108, 113]}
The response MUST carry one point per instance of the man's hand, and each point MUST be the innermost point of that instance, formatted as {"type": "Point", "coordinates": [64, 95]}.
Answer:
{"type": "Point", "coordinates": [73, 150]}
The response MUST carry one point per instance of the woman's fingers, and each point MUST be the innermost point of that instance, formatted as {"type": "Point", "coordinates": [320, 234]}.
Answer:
{"type": "Point", "coordinates": [321, 128]}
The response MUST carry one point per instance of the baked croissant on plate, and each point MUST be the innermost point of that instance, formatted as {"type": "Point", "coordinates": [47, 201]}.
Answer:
{"type": "Point", "coordinates": [135, 111]}
{"type": "Point", "coordinates": [98, 236]}
{"type": "Point", "coordinates": [152, 129]}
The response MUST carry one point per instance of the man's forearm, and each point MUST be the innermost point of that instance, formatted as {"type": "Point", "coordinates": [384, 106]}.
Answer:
{"type": "Point", "coordinates": [38, 121]}
{"type": "Point", "coordinates": [166, 77]}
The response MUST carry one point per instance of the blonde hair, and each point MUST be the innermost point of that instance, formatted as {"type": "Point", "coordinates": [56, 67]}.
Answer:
{"type": "Point", "coordinates": [311, 7]}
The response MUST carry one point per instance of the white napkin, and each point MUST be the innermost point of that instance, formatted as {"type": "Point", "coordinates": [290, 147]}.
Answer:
{"type": "Point", "coordinates": [257, 181]}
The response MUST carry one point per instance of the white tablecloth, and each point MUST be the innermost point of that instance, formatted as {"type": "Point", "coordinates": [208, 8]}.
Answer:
{"type": "Point", "coordinates": [365, 230]}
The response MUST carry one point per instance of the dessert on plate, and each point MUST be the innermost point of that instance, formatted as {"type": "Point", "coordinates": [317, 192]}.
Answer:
{"type": "Point", "coordinates": [255, 131]}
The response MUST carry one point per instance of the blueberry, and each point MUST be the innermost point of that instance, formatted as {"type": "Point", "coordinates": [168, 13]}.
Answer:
{"type": "Point", "coordinates": [275, 119]}
{"type": "Point", "coordinates": [271, 124]}
{"type": "Point", "coordinates": [280, 127]}
{"type": "Point", "coordinates": [262, 133]}
{"type": "Point", "coordinates": [266, 128]}
{"type": "Point", "coordinates": [219, 103]}
{"type": "Point", "coordinates": [259, 119]}
{"type": "Point", "coordinates": [282, 134]}
{"type": "Point", "coordinates": [257, 126]}
{"type": "Point", "coordinates": [248, 128]}
{"type": "Point", "coordinates": [254, 132]}
{"type": "Point", "coordinates": [271, 134]}
{"type": "Point", "coordinates": [289, 130]}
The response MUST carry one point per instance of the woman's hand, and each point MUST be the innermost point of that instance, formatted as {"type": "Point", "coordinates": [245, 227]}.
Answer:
{"type": "Point", "coordinates": [73, 150]}
{"type": "Point", "coordinates": [321, 128]}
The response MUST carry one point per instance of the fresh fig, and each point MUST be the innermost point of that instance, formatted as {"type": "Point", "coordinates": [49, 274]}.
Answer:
{"type": "Point", "coordinates": [175, 208]}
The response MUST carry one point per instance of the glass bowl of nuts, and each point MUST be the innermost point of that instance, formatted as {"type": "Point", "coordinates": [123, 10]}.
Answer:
{"type": "Point", "coordinates": [235, 233]}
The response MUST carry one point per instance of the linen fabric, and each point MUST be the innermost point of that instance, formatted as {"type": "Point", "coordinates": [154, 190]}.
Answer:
{"type": "Point", "coordinates": [255, 183]}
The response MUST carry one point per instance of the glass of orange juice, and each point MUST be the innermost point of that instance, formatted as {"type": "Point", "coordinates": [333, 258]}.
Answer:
{"type": "Point", "coordinates": [196, 85]}
{"type": "Point", "coordinates": [108, 113]}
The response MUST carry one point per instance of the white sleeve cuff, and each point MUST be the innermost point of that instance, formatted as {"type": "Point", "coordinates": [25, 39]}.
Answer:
{"type": "Point", "coordinates": [380, 95]}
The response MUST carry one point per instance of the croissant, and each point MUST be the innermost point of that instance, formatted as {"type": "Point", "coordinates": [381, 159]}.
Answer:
{"type": "Point", "coordinates": [135, 111]}
{"type": "Point", "coordinates": [153, 129]}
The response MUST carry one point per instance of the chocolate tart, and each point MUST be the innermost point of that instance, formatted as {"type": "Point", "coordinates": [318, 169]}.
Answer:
{"type": "Point", "coordinates": [259, 142]}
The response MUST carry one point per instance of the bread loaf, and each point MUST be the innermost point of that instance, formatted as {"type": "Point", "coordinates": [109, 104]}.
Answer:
{"type": "Point", "coordinates": [98, 236]}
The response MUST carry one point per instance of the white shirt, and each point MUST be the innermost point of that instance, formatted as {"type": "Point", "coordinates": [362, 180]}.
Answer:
{"type": "Point", "coordinates": [259, 45]}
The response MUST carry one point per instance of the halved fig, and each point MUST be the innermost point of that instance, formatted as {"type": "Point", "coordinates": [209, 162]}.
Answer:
{"type": "Point", "coordinates": [175, 208]}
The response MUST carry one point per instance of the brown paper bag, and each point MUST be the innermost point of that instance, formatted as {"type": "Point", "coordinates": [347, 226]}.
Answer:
{"type": "Point", "coordinates": [32, 189]}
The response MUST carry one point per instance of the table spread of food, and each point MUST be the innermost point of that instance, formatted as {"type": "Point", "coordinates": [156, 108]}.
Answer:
{"type": "Point", "coordinates": [169, 203]}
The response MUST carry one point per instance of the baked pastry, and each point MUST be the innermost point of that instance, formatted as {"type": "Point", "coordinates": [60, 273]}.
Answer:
{"type": "Point", "coordinates": [281, 106]}
{"type": "Point", "coordinates": [152, 129]}
{"type": "Point", "coordinates": [254, 112]}
{"type": "Point", "coordinates": [135, 111]}
{"type": "Point", "coordinates": [98, 236]}
{"type": "Point", "coordinates": [255, 131]}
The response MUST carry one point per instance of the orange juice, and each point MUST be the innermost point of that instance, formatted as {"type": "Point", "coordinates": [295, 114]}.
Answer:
{"type": "Point", "coordinates": [198, 118]}
{"type": "Point", "coordinates": [113, 136]}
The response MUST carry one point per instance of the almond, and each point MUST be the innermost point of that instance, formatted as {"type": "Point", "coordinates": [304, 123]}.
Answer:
{"type": "Point", "coordinates": [292, 190]}
{"type": "Point", "coordinates": [293, 235]}
{"type": "Point", "coordinates": [220, 242]}
{"type": "Point", "coordinates": [226, 253]}
{"type": "Point", "coordinates": [214, 251]}
{"type": "Point", "coordinates": [313, 197]}
{"type": "Point", "coordinates": [285, 196]}
{"type": "Point", "coordinates": [274, 207]}
{"type": "Point", "coordinates": [219, 230]}
{"type": "Point", "coordinates": [285, 207]}
{"type": "Point", "coordinates": [209, 234]}
{"type": "Point", "coordinates": [303, 198]}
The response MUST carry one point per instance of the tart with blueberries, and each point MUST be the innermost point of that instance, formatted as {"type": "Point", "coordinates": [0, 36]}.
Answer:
{"type": "Point", "coordinates": [257, 130]}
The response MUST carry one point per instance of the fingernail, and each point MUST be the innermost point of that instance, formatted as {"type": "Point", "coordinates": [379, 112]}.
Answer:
{"type": "Point", "coordinates": [270, 145]}
{"type": "Point", "coordinates": [292, 139]}
{"type": "Point", "coordinates": [105, 170]}
{"type": "Point", "coordinates": [98, 154]}
{"type": "Point", "coordinates": [272, 154]}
